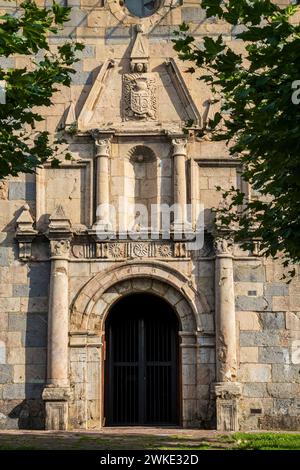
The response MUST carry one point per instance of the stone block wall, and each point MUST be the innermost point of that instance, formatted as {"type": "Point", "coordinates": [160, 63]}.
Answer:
{"type": "Point", "coordinates": [267, 309]}
{"type": "Point", "coordinates": [268, 319]}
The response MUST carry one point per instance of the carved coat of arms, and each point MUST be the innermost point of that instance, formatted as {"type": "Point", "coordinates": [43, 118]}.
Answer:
{"type": "Point", "coordinates": [139, 96]}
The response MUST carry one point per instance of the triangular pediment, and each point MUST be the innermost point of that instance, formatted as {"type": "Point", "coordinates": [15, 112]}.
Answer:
{"type": "Point", "coordinates": [154, 99]}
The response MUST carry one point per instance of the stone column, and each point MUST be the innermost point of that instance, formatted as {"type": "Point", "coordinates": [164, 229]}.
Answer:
{"type": "Point", "coordinates": [102, 181]}
{"type": "Point", "coordinates": [179, 176]}
{"type": "Point", "coordinates": [57, 392]}
{"type": "Point", "coordinates": [227, 390]}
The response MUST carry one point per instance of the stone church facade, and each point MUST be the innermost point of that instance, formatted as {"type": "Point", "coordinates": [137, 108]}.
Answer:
{"type": "Point", "coordinates": [236, 332]}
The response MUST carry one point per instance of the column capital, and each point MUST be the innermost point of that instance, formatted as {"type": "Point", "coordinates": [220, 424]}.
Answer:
{"type": "Point", "coordinates": [179, 146]}
{"type": "Point", "coordinates": [60, 248]}
{"type": "Point", "coordinates": [223, 247]}
{"type": "Point", "coordinates": [102, 147]}
{"type": "Point", "coordinates": [102, 143]}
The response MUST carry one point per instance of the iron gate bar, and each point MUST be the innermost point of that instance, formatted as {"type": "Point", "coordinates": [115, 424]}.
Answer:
{"type": "Point", "coordinates": [142, 362]}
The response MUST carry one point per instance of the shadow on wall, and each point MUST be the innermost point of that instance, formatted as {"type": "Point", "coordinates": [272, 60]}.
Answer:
{"type": "Point", "coordinates": [29, 361]}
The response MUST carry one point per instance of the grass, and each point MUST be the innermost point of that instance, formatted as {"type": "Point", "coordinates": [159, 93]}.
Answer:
{"type": "Point", "coordinates": [190, 441]}
{"type": "Point", "coordinates": [267, 441]}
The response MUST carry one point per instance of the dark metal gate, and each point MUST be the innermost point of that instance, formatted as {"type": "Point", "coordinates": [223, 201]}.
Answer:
{"type": "Point", "coordinates": [141, 362]}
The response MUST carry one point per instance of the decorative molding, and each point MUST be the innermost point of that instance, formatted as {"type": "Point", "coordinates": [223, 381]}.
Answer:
{"type": "Point", "coordinates": [70, 119]}
{"type": "Point", "coordinates": [218, 162]}
{"type": "Point", "coordinates": [183, 92]}
{"type": "Point", "coordinates": [116, 250]}
{"type": "Point", "coordinates": [139, 96]}
{"type": "Point", "coordinates": [59, 247]}
{"type": "Point", "coordinates": [223, 246]}
{"type": "Point", "coordinates": [179, 147]}
{"type": "Point", "coordinates": [95, 94]}
{"type": "Point", "coordinates": [51, 393]}
{"type": "Point", "coordinates": [227, 390]}
{"type": "Point", "coordinates": [59, 233]}
{"type": "Point", "coordinates": [59, 222]}
{"type": "Point", "coordinates": [83, 315]}
{"type": "Point", "coordinates": [227, 402]}
{"type": "Point", "coordinates": [25, 233]}
{"type": "Point", "coordinates": [102, 143]}
{"type": "Point", "coordinates": [139, 56]}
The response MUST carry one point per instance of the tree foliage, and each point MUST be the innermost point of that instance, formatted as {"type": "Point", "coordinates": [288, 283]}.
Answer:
{"type": "Point", "coordinates": [26, 33]}
{"type": "Point", "coordinates": [259, 116]}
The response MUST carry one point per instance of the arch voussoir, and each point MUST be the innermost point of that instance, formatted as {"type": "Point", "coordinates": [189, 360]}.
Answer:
{"type": "Point", "coordinates": [96, 297]}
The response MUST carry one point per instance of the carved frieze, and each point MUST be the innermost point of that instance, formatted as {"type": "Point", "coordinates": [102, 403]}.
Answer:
{"type": "Point", "coordinates": [139, 94]}
{"type": "Point", "coordinates": [123, 250]}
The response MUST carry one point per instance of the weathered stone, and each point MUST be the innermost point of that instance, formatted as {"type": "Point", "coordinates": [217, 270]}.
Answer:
{"type": "Point", "coordinates": [4, 256]}
{"type": "Point", "coordinates": [21, 190]}
{"type": "Point", "coordinates": [271, 355]}
{"type": "Point", "coordinates": [244, 273]}
{"type": "Point", "coordinates": [255, 390]}
{"type": "Point", "coordinates": [283, 390]}
{"type": "Point", "coordinates": [248, 321]}
{"type": "Point", "coordinates": [191, 14]}
{"type": "Point", "coordinates": [17, 322]}
{"type": "Point", "coordinates": [249, 355]}
{"type": "Point", "coordinates": [255, 373]}
{"type": "Point", "coordinates": [259, 338]}
{"type": "Point", "coordinates": [9, 305]}
{"type": "Point", "coordinates": [2, 352]}
{"type": "Point", "coordinates": [20, 290]}
{"type": "Point", "coordinates": [243, 302]}
{"type": "Point", "coordinates": [117, 35]}
{"type": "Point", "coordinates": [5, 374]}
{"type": "Point", "coordinates": [276, 289]}
{"type": "Point", "coordinates": [272, 320]}
{"type": "Point", "coordinates": [286, 373]}
{"type": "Point", "coordinates": [14, 391]}
{"type": "Point", "coordinates": [293, 321]}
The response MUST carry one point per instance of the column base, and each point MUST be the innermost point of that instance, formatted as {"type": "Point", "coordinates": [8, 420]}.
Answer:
{"type": "Point", "coordinates": [56, 402]}
{"type": "Point", "coordinates": [227, 405]}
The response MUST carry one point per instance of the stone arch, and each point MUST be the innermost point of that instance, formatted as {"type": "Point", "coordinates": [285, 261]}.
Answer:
{"type": "Point", "coordinates": [140, 153]}
{"type": "Point", "coordinates": [96, 298]}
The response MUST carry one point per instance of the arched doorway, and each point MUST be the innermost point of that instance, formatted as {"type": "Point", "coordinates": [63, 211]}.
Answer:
{"type": "Point", "coordinates": [141, 366]}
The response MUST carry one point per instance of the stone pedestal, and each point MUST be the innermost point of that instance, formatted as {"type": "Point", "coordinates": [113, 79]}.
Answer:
{"type": "Point", "coordinates": [227, 400]}
{"type": "Point", "coordinates": [226, 390]}
{"type": "Point", "coordinates": [56, 403]}
{"type": "Point", "coordinates": [56, 392]}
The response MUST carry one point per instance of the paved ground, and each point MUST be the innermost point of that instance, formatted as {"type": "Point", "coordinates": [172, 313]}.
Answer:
{"type": "Point", "coordinates": [146, 439]}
